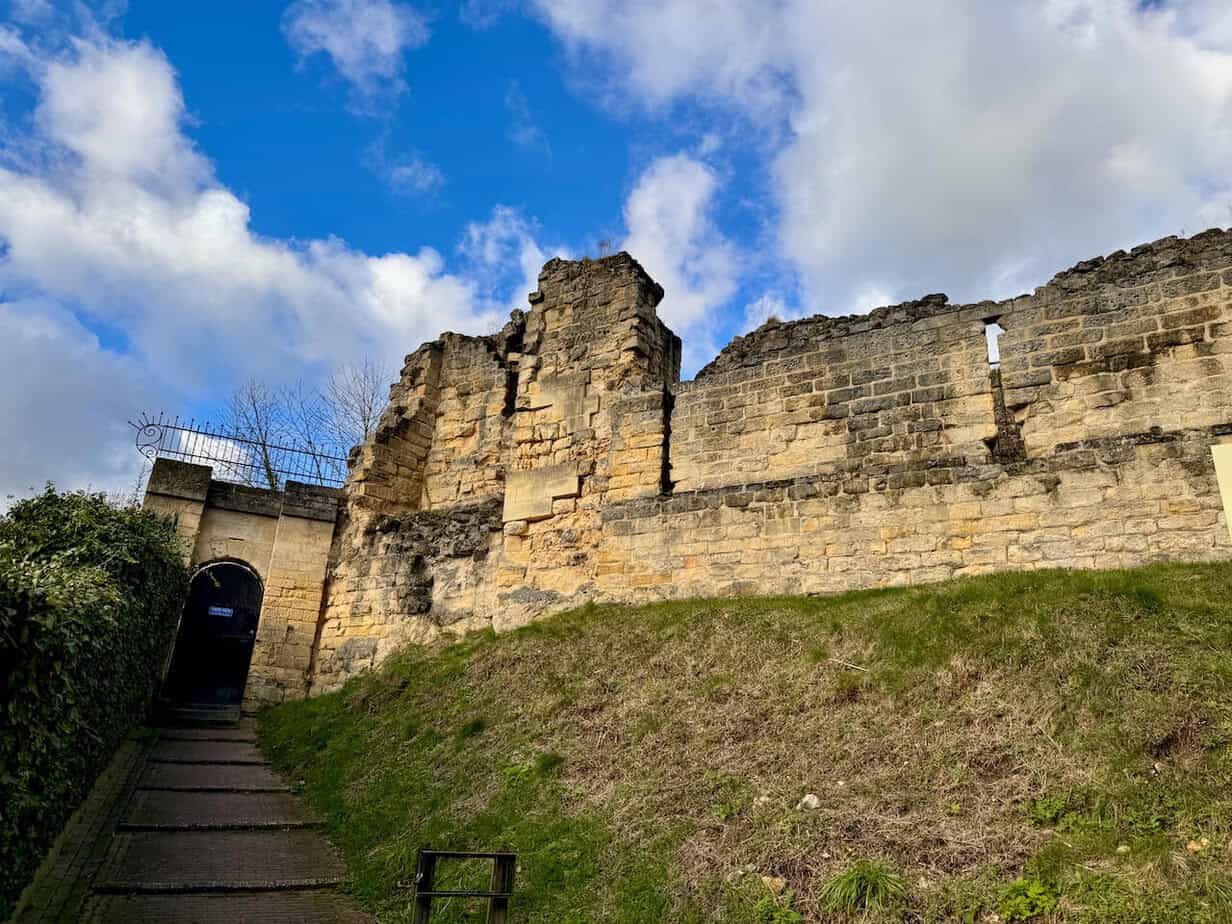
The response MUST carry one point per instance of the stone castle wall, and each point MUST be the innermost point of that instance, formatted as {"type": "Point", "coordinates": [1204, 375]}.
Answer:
{"type": "Point", "coordinates": [562, 460]}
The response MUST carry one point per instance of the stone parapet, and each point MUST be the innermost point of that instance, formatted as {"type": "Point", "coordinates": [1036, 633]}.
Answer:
{"type": "Point", "coordinates": [184, 480]}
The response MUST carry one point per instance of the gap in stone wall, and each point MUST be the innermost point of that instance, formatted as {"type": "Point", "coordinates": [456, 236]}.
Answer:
{"type": "Point", "coordinates": [666, 485]}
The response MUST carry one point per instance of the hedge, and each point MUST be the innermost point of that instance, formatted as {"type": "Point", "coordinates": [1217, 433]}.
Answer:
{"type": "Point", "coordinates": [89, 598]}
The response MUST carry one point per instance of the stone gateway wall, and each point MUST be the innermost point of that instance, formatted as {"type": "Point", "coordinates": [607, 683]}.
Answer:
{"type": "Point", "coordinates": [285, 537]}
{"type": "Point", "coordinates": [562, 460]}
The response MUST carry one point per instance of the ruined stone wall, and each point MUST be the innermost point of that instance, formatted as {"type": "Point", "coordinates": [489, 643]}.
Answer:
{"type": "Point", "coordinates": [562, 460]}
{"type": "Point", "coordinates": [1121, 345]}
{"type": "Point", "coordinates": [466, 460]}
{"type": "Point", "coordinates": [388, 470]}
{"type": "Point", "coordinates": [1114, 503]}
{"type": "Point", "coordinates": [900, 385]}
{"type": "Point", "coordinates": [524, 435]}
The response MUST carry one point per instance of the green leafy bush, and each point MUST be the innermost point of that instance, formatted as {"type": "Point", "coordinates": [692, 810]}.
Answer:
{"type": "Point", "coordinates": [770, 910]}
{"type": "Point", "coordinates": [89, 597]}
{"type": "Point", "coordinates": [1024, 899]}
{"type": "Point", "coordinates": [1047, 811]}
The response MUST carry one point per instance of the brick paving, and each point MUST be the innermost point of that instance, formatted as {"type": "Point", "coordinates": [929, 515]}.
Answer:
{"type": "Point", "coordinates": [190, 825]}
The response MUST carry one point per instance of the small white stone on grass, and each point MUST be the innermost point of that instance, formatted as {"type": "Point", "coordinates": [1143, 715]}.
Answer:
{"type": "Point", "coordinates": [809, 802]}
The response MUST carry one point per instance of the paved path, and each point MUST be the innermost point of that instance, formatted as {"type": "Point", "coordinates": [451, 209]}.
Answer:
{"type": "Point", "coordinates": [204, 831]}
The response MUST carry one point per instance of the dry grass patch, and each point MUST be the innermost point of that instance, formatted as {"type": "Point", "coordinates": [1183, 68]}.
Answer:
{"type": "Point", "coordinates": [999, 743]}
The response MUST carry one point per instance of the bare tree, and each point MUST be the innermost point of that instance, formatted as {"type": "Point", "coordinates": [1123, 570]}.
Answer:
{"type": "Point", "coordinates": [355, 396]}
{"type": "Point", "coordinates": [256, 413]}
{"type": "Point", "coordinates": [307, 415]}
{"type": "Point", "coordinates": [324, 423]}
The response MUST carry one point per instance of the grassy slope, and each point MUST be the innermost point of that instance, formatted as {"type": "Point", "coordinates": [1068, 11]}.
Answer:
{"type": "Point", "coordinates": [645, 763]}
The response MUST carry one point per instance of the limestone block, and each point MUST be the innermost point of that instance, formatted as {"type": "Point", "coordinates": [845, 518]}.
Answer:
{"type": "Point", "coordinates": [529, 494]}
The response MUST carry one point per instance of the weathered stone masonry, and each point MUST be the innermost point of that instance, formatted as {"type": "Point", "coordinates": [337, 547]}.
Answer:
{"type": "Point", "coordinates": [562, 460]}
{"type": "Point", "coordinates": [284, 536]}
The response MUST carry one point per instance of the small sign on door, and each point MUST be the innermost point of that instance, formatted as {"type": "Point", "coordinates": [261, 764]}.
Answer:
{"type": "Point", "coordinates": [225, 612]}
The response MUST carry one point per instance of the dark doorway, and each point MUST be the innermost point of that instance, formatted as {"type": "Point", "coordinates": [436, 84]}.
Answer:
{"type": "Point", "coordinates": [212, 651]}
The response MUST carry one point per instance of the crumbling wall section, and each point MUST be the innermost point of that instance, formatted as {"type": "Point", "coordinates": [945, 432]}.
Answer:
{"type": "Point", "coordinates": [871, 392]}
{"type": "Point", "coordinates": [388, 471]}
{"type": "Point", "coordinates": [1123, 344]}
{"type": "Point", "coordinates": [398, 579]}
{"type": "Point", "coordinates": [562, 461]}
{"type": "Point", "coordinates": [595, 357]}
{"type": "Point", "coordinates": [466, 460]}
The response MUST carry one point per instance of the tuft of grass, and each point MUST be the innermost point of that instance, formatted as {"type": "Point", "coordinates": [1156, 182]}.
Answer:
{"type": "Point", "coordinates": [472, 728]}
{"type": "Point", "coordinates": [863, 886]}
{"type": "Point", "coordinates": [644, 763]}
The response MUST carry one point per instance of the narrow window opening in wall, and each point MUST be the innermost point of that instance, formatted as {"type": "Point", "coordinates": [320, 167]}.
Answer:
{"type": "Point", "coordinates": [1007, 446]}
{"type": "Point", "coordinates": [666, 485]}
{"type": "Point", "coordinates": [992, 331]}
{"type": "Point", "coordinates": [511, 391]}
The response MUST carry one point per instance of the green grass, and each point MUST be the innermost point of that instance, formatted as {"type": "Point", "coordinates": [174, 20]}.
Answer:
{"type": "Point", "coordinates": [1000, 743]}
{"type": "Point", "coordinates": [865, 885]}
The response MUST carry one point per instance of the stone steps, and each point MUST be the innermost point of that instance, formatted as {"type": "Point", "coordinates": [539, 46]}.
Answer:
{"type": "Point", "coordinates": [212, 834]}
{"type": "Point", "coordinates": [212, 778]}
{"type": "Point", "coordinates": [169, 810]}
{"type": "Point", "coordinates": [208, 734]}
{"type": "Point", "coordinates": [213, 861]}
{"type": "Point", "coordinates": [206, 752]}
{"type": "Point", "coordinates": [321, 906]}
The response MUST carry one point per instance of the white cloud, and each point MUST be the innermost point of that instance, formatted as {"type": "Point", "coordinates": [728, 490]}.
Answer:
{"type": "Point", "coordinates": [483, 14]}
{"type": "Point", "coordinates": [117, 216]}
{"type": "Point", "coordinates": [408, 175]}
{"type": "Point", "coordinates": [31, 11]}
{"type": "Point", "coordinates": [767, 306]}
{"type": "Point", "coordinates": [65, 404]}
{"type": "Point", "coordinates": [672, 232]}
{"type": "Point", "coordinates": [364, 39]}
{"type": "Point", "coordinates": [524, 130]}
{"type": "Point", "coordinates": [415, 175]}
{"type": "Point", "coordinates": [505, 251]}
{"type": "Point", "coordinates": [966, 147]}
{"type": "Point", "coordinates": [667, 49]}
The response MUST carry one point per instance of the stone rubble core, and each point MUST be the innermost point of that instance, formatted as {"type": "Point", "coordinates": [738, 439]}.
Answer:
{"type": "Point", "coordinates": [562, 460]}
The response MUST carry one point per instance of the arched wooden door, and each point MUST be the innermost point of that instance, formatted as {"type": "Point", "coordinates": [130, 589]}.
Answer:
{"type": "Point", "coordinates": [217, 632]}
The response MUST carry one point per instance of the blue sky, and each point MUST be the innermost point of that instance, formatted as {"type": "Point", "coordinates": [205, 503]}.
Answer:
{"type": "Point", "coordinates": [195, 193]}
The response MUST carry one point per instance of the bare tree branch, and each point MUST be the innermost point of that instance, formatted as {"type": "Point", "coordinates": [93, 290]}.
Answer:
{"type": "Point", "coordinates": [324, 423]}
{"type": "Point", "coordinates": [356, 395]}
{"type": "Point", "coordinates": [307, 415]}
{"type": "Point", "coordinates": [255, 413]}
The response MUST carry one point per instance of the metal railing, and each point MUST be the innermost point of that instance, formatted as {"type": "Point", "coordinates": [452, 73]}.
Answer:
{"type": "Point", "coordinates": [238, 457]}
{"type": "Point", "coordinates": [504, 865]}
